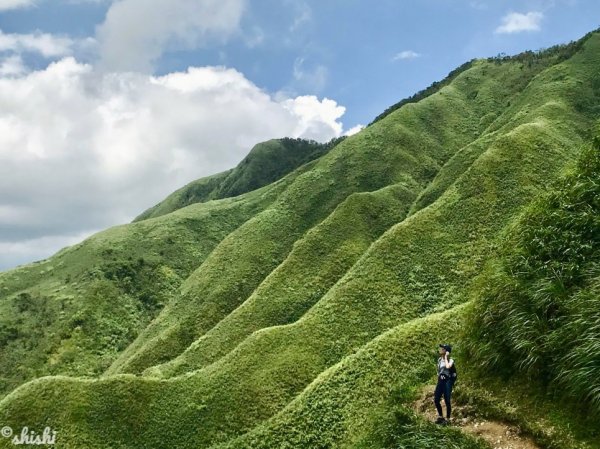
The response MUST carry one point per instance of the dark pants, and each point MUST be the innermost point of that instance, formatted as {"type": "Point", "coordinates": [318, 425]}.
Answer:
{"type": "Point", "coordinates": [443, 387]}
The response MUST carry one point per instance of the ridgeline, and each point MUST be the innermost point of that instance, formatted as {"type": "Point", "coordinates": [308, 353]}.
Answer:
{"type": "Point", "coordinates": [297, 300]}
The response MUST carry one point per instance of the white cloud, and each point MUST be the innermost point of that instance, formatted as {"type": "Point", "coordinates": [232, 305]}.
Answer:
{"type": "Point", "coordinates": [15, 4]}
{"type": "Point", "coordinates": [136, 32]}
{"type": "Point", "coordinates": [354, 130]}
{"type": "Point", "coordinates": [12, 66]}
{"type": "Point", "coordinates": [406, 54]}
{"type": "Point", "coordinates": [515, 22]}
{"type": "Point", "coordinates": [315, 118]}
{"type": "Point", "coordinates": [82, 150]}
{"type": "Point", "coordinates": [47, 45]}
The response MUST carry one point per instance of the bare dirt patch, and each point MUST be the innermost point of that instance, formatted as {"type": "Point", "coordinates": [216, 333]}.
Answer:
{"type": "Point", "coordinates": [498, 434]}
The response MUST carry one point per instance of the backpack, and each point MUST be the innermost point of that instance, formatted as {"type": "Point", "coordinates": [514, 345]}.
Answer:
{"type": "Point", "coordinates": [453, 372]}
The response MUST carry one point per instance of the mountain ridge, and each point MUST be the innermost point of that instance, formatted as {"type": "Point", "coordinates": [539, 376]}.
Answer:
{"type": "Point", "coordinates": [359, 255]}
{"type": "Point", "coordinates": [265, 163]}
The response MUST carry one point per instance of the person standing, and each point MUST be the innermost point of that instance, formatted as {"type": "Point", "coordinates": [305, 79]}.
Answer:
{"type": "Point", "coordinates": [445, 383]}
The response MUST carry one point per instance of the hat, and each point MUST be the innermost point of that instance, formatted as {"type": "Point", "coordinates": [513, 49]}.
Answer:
{"type": "Point", "coordinates": [446, 347]}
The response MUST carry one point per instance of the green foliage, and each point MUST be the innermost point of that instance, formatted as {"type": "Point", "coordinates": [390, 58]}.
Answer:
{"type": "Point", "coordinates": [266, 163]}
{"type": "Point", "coordinates": [555, 54]}
{"type": "Point", "coordinates": [433, 88]}
{"type": "Point", "coordinates": [75, 312]}
{"type": "Point", "coordinates": [543, 57]}
{"type": "Point", "coordinates": [412, 432]}
{"type": "Point", "coordinates": [524, 404]}
{"type": "Point", "coordinates": [305, 313]}
{"type": "Point", "coordinates": [539, 306]}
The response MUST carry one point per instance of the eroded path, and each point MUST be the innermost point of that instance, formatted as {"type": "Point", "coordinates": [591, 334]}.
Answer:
{"type": "Point", "coordinates": [499, 435]}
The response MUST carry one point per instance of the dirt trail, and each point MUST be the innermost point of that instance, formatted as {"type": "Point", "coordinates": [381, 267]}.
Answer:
{"type": "Point", "coordinates": [498, 434]}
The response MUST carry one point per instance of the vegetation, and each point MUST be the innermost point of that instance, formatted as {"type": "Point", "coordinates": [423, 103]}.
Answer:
{"type": "Point", "coordinates": [545, 57]}
{"type": "Point", "coordinates": [74, 312]}
{"type": "Point", "coordinates": [539, 304]}
{"type": "Point", "coordinates": [307, 313]}
{"type": "Point", "coordinates": [267, 162]}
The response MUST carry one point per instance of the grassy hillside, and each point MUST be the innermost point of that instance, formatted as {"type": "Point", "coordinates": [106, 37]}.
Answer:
{"type": "Point", "coordinates": [313, 318]}
{"type": "Point", "coordinates": [538, 311]}
{"type": "Point", "coordinates": [74, 312]}
{"type": "Point", "coordinates": [266, 163]}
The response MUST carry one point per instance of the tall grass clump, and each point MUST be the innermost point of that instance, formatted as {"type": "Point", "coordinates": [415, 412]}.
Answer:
{"type": "Point", "coordinates": [538, 305]}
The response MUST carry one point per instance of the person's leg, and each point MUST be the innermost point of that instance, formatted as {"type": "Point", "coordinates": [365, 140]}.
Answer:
{"type": "Point", "coordinates": [447, 397]}
{"type": "Point", "coordinates": [437, 396]}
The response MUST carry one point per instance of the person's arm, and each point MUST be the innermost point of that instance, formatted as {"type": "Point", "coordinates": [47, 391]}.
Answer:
{"type": "Point", "coordinates": [448, 363]}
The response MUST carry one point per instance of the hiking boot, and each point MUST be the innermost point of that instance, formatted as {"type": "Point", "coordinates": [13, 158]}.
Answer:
{"type": "Point", "coordinates": [440, 420]}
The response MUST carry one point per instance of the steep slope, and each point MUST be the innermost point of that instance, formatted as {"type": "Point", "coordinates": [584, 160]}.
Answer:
{"type": "Point", "coordinates": [539, 305]}
{"type": "Point", "coordinates": [75, 311]}
{"type": "Point", "coordinates": [221, 339]}
{"type": "Point", "coordinates": [266, 163]}
{"type": "Point", "coordinates": [408, 149]}
{"type": "Point", "coordinates": [362, 401]}
{"type": "Point", "coordinates": [316, 370]}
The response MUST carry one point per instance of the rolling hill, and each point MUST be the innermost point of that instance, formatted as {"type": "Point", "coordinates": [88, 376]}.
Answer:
{"type": "Point", "coordinates": [301, 305]}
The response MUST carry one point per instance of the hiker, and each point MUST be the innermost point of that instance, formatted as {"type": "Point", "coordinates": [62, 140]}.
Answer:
{"type": "Point", "coordinates": [446, 377]}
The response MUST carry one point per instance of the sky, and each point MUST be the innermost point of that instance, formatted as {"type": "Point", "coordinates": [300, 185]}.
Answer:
{"type": "Point", "coordinates": [106, 107]}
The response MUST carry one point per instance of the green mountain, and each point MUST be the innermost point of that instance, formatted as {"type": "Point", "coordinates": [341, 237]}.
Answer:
{"type": "Point", "coordinates": [301, 304]}
{"type": "Point", "coordinates": [266, 163]}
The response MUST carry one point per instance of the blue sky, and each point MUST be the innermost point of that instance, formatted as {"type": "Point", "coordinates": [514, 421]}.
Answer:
{"type": "Point", "coordinates": [108, 106]}
{"type": "Point", "coordinates": [343, 49]}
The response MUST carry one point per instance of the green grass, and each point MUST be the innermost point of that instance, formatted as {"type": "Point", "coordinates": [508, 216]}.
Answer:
{"type": "Point", "coordinates": [74, 312]}
{"type": "Point", "coordinates": [267, 162]}
{"type": "Point", "coordinates": [526, 404]}
{"type": "Point", "coordinates": [539, 306]}
{"type": "Point", "coordinates": [305, 313]}
{"type": "Point", "coordinates": [385, 153]}
{"type": "Point", "coordinates": [294, 286]}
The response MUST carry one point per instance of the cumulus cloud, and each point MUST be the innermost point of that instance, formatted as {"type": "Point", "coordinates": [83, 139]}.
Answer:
{"type": "Point", "coordinates": [82, 150]}
{"type": "Point", "coordinates": [12, 66]}
{"type": "Point", "coordinates": [314, 118]}
{"type": "Point", "coordinates": [515, 22]}
{"type": "Point", "coordinates": [15, 4]}
{"type": "Point", "coordinates": [354, 130]}
{"type": "Point", "coordinates": [47, 45]}
{"type": "Point", "coordinates": [136, 32]}
{"type": "Point", "coordinates": [406, 54]}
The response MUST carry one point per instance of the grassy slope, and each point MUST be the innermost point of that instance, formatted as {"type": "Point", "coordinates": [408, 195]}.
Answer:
{"type": "Point", "coordinates": [266, 163]}
{"type": "Point", "coordinates": [339, 406]}
{"type": "Point", "coordinates": [539, 304]}
{"type": "Point", "coordinates": [72, 313]}
{"type": "Point", "coordinates": [346, 405]}
{"type": "Point", "coordinates": [407, 149]}
{"type": "Point", "coordinates": [363, 400]}
{"type": "Point", "coordinates": [259, 309]}
{"type": "Point", "coordinates": [197, 191]}
{"type": "Point", "coordinates": [424, 262]}
{"type": "Point", "coordinates": [294, 286]}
